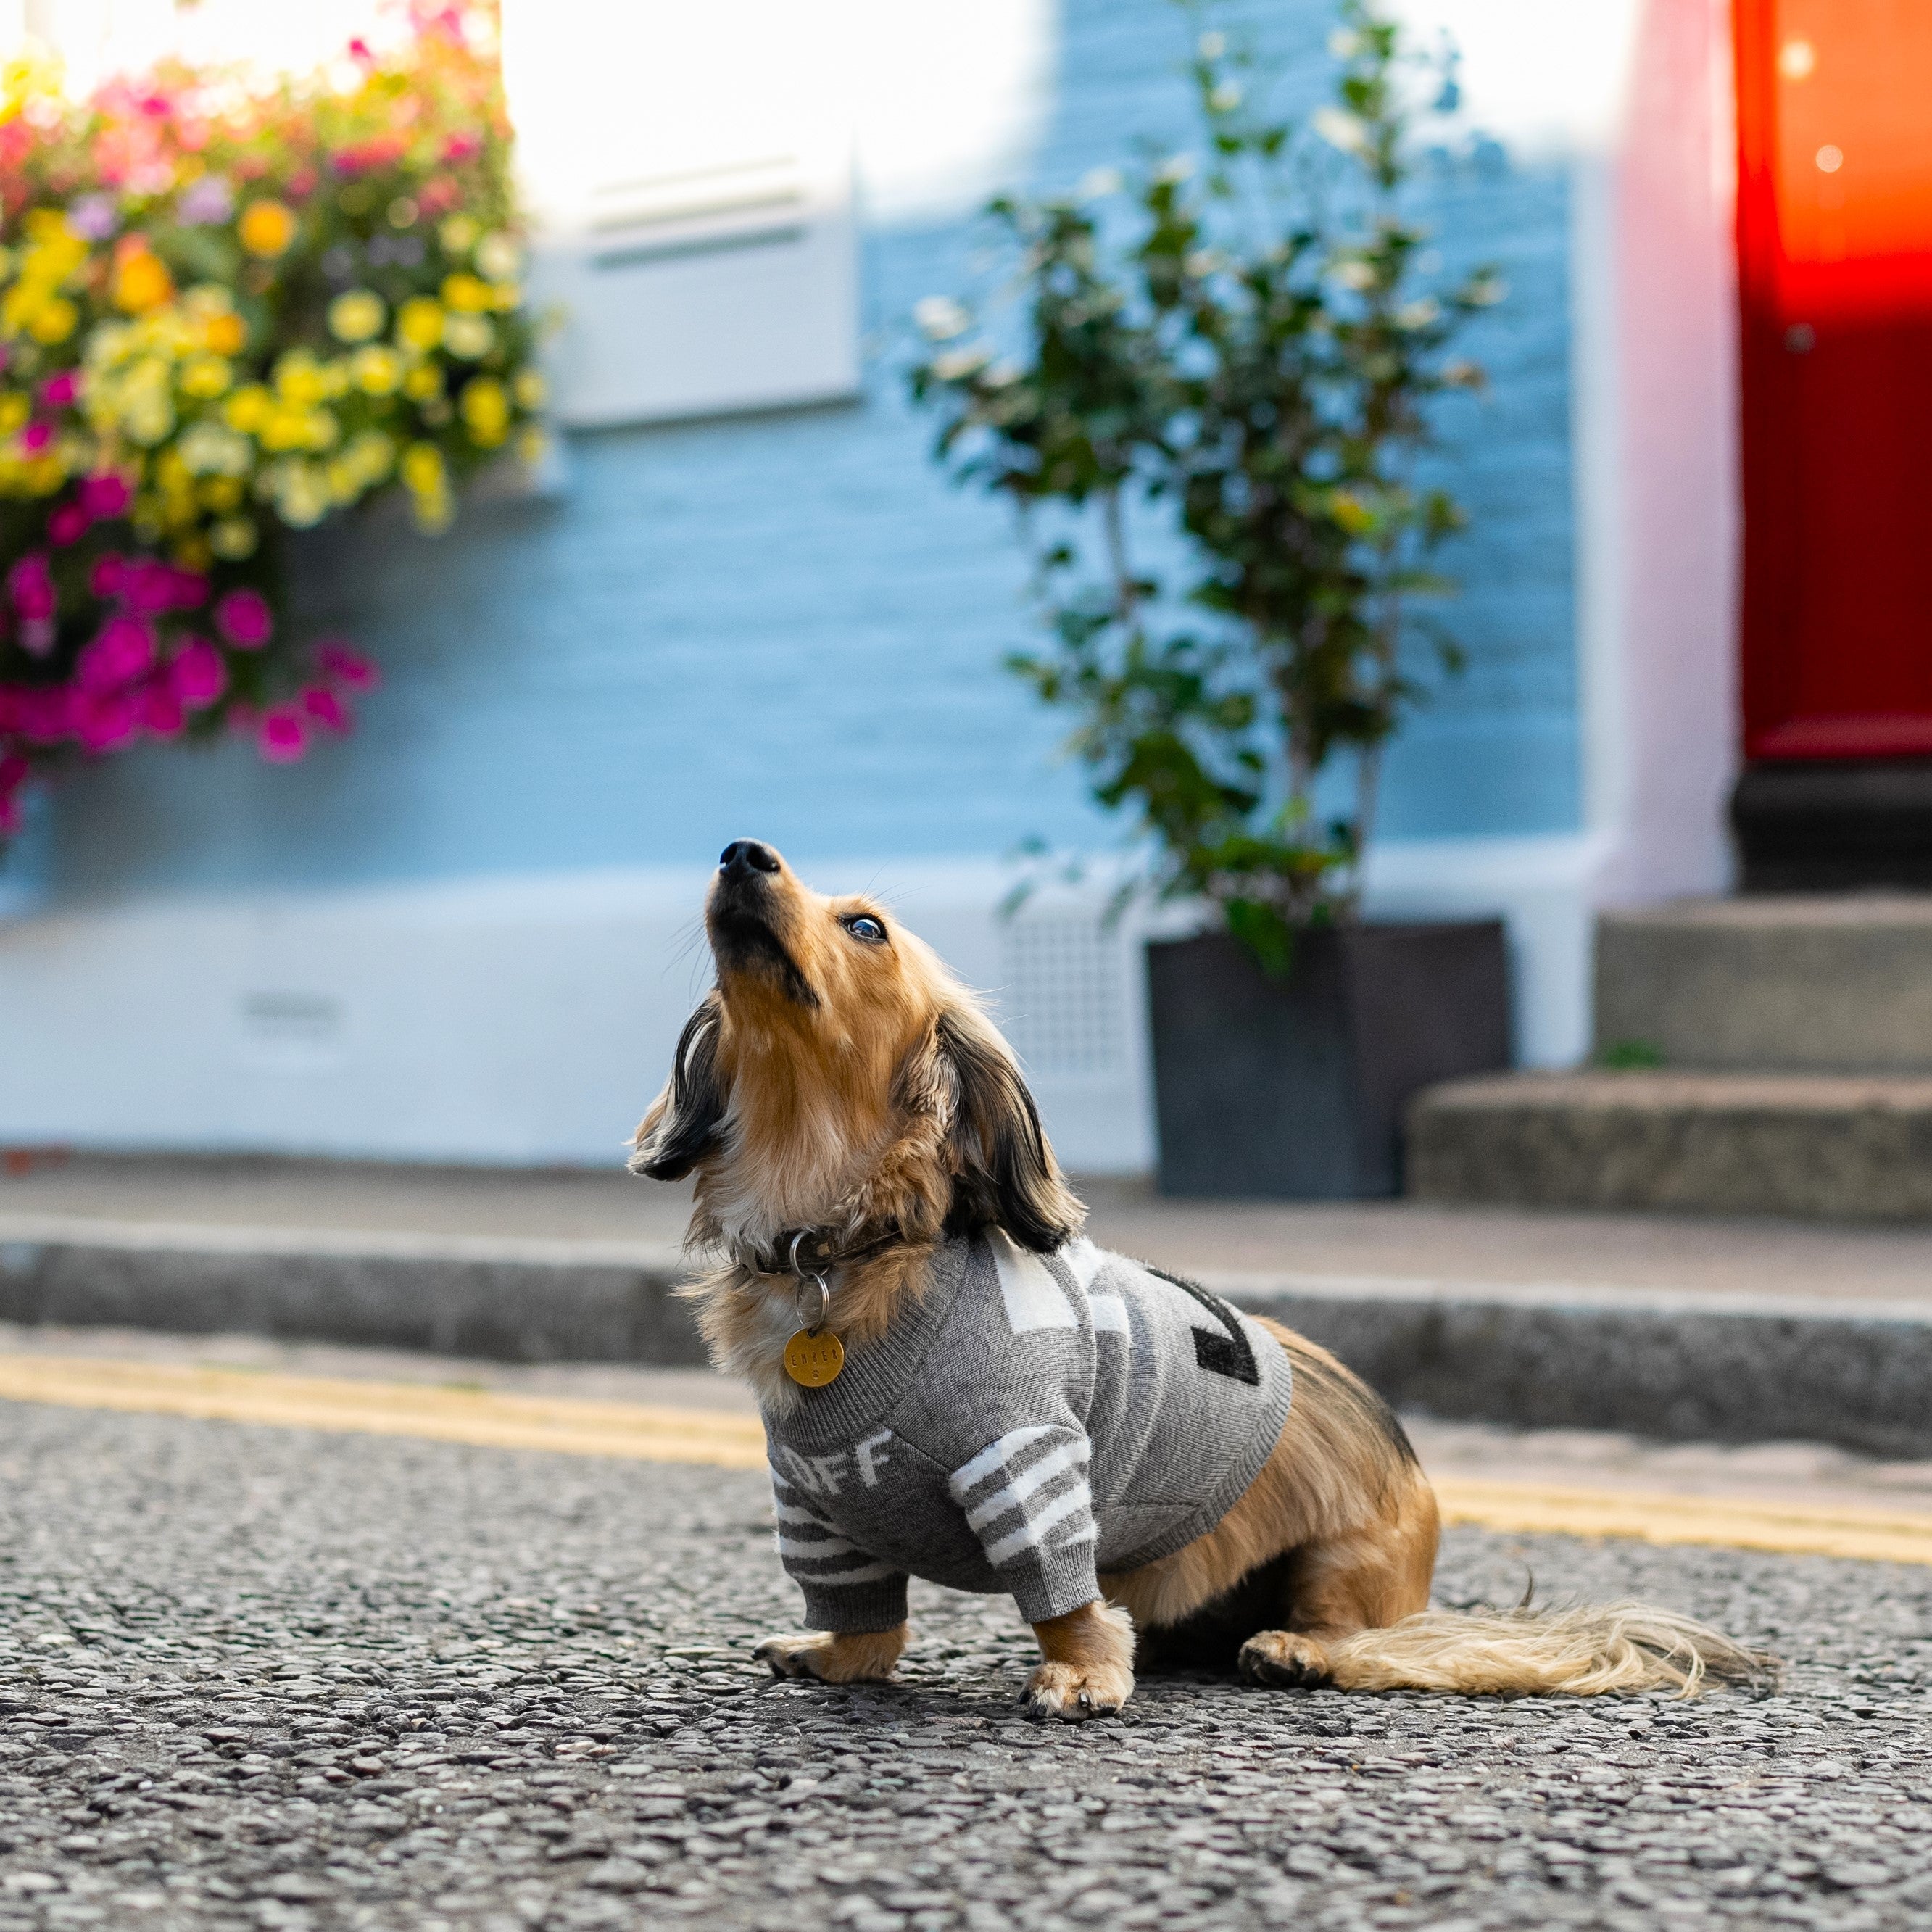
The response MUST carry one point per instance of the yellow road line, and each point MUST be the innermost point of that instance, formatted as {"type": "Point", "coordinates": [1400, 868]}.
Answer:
{"type": "Point", "coordinates": [493, 1418]}
{"type": "Point", "coordinates": [498, 1419]}
{"type": "Point", "coordinates": [1738, 1522]}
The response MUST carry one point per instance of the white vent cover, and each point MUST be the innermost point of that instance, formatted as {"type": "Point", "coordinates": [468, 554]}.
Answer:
{"type": "Point", "coordinates": [690, 169]}
{"type": "Point", "coordinates": [1063, 1007]}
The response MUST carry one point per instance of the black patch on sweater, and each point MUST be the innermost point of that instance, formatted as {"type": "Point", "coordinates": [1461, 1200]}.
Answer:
{"type": "Point", "coordinates": [1226, 1352]}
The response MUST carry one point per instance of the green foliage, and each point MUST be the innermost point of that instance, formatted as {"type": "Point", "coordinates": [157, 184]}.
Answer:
{"type": "Point", "coordinates": [1244, 348]}
{"type": "Point", "coordinates": [1631, 1056]}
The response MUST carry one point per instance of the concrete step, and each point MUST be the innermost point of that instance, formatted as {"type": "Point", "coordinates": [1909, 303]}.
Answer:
{"type": "Point", "coordinates": [1691, 1364]}
{"type": "Point", "coordinates": [1824, 984]}
{"type": "Point", "coordinates": [1813, 1146]}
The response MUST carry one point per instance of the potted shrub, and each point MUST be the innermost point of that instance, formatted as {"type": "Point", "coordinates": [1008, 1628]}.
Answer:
{"type": "Point", "coordinates": [1228, 362]}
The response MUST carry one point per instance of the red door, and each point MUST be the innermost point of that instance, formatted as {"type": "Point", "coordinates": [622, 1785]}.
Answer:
{"type": "Point", "coordinates": [1834, 251]}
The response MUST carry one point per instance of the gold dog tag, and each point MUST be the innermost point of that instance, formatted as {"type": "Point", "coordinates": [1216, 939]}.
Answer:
{"type": "Point", "coordinates": [813, 1360]}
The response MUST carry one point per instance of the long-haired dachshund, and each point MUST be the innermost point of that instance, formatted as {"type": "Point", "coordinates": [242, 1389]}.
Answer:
{"type": "Point", "coordinates": [956, 1384]}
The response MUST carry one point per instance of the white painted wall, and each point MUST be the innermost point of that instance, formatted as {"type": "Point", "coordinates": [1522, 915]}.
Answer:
{"type": "Point", "coordinates": [531, 1020]}
{"type": "Point", "coordinates": [516, 1020]}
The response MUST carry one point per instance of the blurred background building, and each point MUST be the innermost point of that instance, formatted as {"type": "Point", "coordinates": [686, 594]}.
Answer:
{"type": "Point", "coordinates": [743, 601]}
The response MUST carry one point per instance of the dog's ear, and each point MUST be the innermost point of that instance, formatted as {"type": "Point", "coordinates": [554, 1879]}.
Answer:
{"type": "Point", "coordinates": [1004, 1172]}
{"type": "Point", "coordinates": [684, 1122]}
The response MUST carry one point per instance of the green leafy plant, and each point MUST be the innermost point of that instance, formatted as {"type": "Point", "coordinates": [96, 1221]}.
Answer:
{"type": "Point", "coordinates": [1241, 348]}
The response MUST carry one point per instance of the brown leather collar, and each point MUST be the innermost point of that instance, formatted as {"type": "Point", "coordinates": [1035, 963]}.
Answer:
{"type": "Point", "coordinates": [809, 1251]}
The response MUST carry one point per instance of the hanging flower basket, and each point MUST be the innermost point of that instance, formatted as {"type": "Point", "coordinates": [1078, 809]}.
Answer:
{"type": "Point", "coordinates": [227, 313]}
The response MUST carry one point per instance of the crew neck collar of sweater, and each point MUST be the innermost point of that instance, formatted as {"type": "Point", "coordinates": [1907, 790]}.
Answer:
{"type": "Point", "coordinates": [876, 1372]}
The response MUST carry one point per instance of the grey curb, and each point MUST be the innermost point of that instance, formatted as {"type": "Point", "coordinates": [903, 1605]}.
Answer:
{"type": "Point", "coordinates": [514, 1301]}
{"type": "Point", "coordinates": [1682, 1366]}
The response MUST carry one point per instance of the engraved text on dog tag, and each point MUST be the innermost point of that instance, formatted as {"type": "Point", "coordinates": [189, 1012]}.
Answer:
{"type": "Point", "coordinates": [815, 1360]}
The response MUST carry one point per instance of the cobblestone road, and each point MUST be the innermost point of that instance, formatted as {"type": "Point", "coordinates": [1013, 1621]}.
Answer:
{"type": "Point", "coordinates": [257, 1678]}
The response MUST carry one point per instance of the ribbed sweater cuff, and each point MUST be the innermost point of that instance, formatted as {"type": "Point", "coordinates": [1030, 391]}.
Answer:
{"type": "Point", "coordinates": [856, 1608]}
{"type": "Point", "coordinates": [1062, 1581]}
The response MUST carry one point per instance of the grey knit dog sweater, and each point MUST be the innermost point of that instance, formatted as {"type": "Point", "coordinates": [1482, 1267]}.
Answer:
{"type": "Point", "coordinates": [1029, 1422]}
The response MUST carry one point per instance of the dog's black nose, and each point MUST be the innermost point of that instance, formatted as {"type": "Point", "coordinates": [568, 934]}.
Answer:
{"type": "Point", "coordinates": [743, 856]}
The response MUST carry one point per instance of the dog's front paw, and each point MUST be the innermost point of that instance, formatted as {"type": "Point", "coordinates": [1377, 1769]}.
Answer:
{"type": "Point", "coordinates": [1073, 1692]}
{"type": "Point", "coordinates": [838, 1658]}
{"type": "Point", "coordinates": [795, 1656]}
{"type": "Point", "coordinates": [1284, 1661]}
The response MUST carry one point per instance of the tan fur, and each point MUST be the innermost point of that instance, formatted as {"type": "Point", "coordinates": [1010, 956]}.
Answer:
{"type": "Point", "coordinates": [867, 1657]}
{"type": "Point", "coordinates": [1335, 1486]}
{"type": "Point", "coordinates": [1087, 1668]}
{"type": "Point", "coordinates": [846, 1113]}
{"type": "Point", "coordinates": [1360, 1522]}
{"type": "Point", "coordinates": [851, 1087]}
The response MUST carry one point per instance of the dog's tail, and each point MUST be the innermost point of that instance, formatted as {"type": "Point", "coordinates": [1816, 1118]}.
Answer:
{"type": "Point", "coordinates": [1582, 1652]}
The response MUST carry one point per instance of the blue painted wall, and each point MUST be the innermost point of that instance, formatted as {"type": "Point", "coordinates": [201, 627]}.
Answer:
{"type": "Point", "coordinates": [790, 624]}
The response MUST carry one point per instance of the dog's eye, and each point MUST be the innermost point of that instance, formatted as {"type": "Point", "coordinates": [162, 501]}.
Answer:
{"type": "Point", "coordinates": [866, 927]}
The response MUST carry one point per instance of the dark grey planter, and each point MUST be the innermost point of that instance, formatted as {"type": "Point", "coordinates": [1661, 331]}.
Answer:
{"type": "Point", "coordinates": [1293, 1089]}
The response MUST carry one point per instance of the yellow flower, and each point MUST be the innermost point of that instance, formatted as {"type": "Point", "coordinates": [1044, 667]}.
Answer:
{"type": "Point", "coordinates": [285, 428]}
{"type": "Point", "coordinates": [465, 294]}
{"type": "Point", "coordinates": [299, 379]}
{"type": "Point", "coordinates": [356, 316]}
{"type": "Point", "coordinates": [301, 494]}
{"type": "Point", "coordinates": [221, 494]}
{"type": "Point", "coordinates": [367, 459]}
{"type": "Point", "coordinates": [6, 263]}
{"type": "Point", "coordinates": [458, 234]}
{"type": "Point", "coordinates": [141, 281]}
{"type": "Point", "coordinates": [532, 445]}
{"type": "Point", "coordinates": [227, 335]}
{"type": "Point", "coordinates": [498, 257]}
{"type": "Point", "coordinates": [323, 429]}
{"type": "Point", "coordinates": [531, 391]}
{"type": "Point", "coordinates": [424, 383]}
{"type": "Point", "coordinates": [233, 538]}
{"type": "Point", "coordinates": [205, 376]}
{"type": "Point", "coordinates": [16, 407]}
{"type": "Point", "coordinates": [422, 469]}
{"type": "Point", "coordinates": [150, 420]}
{"type": "Point", "coordinates": [194, 554]}
{"type": "Point", "coordinates": [208, 450]}
{"type": "Point", "coordinates": [486, 411]}
{"type": "Point", "coordinates": [419, 323]}
{"type": "Point", "coordinates": [378, 370]}
{"type": "Point", "coordinates": [248, 409]}
{"type": "Point", "coordinates": [469, 336]}
{"type": "Point", "coordinates": [267, 228]}
{"type": "Point", "coordinates": [433, 511]}
{"type": "Point", "coordinates": [54, 321]}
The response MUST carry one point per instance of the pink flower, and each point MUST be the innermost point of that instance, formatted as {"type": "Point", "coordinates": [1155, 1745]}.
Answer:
{"type": "Point", "coordinates": [122, 650]}
{"type": "Point", "coordinates": [323, 707]}
{"type": "Point", "coordinates": [462, 147]}
{"type": "Point", "coordinates": [162, 715]}
{"type": "Point", "coordinates": [197, 673]}
{"type": "Point", "coordinates": [30, 587]}
{"type": "Point", "coordinates": [36, 436]}
{"type": "Point", "coordinates": [243, 617]}
{"type": "Point", "coordinates": [102, 721]}
{"type": "Point", "coordinates": [46, 714]}
{"type": "Point", "coordinates": [37, 635]}
{"type": "Point", "coordinates": [109, 574]}
{"type": "Point", "coordinates": [14, 770]}
{"type": "Point", "coordinates": [105, 495]}
{"type": "Point", "coordinates": [148, 585]}
{"type": "Point", "coordinates": [67, 525]}
{"type": "Point", "coordinates": [348, 668]}
{"type": "Point", "coordinates": [189, 590]}
{"type": "Point", "coordinates": [61, 392]}
{"type": "Point", "coordinates": [283, 737]}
